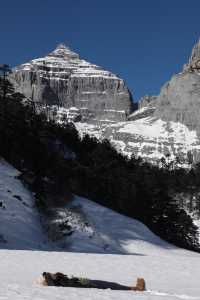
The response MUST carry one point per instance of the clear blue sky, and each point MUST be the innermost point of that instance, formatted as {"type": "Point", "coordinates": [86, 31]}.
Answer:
{"type": "Point", "coordinates": [143, 41]}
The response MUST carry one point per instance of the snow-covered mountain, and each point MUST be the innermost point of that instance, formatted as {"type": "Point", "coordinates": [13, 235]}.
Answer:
{"type": "Point", "coordinates": [62, 78]}
{"type": "Point", "coordinates": [71, 89]}
{"type": "Point", "coordinates": [164, 125]}
{"type": "Point", "coordinates": [96, 249]}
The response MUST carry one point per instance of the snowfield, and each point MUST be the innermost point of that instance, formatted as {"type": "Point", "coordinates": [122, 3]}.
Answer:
{"type": "Point", "coordinates": [104, 245]}
{"type": "Point", "coordinates": [168, 275]}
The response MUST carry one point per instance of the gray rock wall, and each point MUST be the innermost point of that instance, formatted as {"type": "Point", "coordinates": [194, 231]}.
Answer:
{"type": "Point", "coordinates": [147, 100]}
{"type": "Point", "coordinates": [61, 78]}
{"type": "Point", "coordinates": [179, 100]}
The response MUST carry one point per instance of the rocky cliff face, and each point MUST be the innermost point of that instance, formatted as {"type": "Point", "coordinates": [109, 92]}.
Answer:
{"type": "Point", "coordinates": [63, 79]}
{"type": "Point", "coordinates": [179, 100]}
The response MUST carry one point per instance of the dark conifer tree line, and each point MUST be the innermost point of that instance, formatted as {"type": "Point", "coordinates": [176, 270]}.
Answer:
{"type": "Point", "coordinates": [55, 162]}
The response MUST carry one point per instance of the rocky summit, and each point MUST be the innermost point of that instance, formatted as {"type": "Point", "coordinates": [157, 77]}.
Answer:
{"type": "Point", "coordinates": [74, 88]}
{"type": "Point", "coordinates": [101, 105]}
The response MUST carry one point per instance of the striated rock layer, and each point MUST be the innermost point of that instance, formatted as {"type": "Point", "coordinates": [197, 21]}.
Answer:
{"type": "Point", "coordinates": [63, 79]}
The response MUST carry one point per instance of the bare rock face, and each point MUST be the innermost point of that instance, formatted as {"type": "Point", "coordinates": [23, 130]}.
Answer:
{"type": "Point", "coordinates": [147, 101]}
{"type": "Point", "coordinates": [179, 100]}
{"type": "Point", "coordinates": [63, 79]}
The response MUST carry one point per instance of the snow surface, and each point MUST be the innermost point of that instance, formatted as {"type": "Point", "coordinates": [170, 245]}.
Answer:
{"type": "Point", "coordinates": [168, 276]}
{"type": "Point", "coordinates": [170, 273]}
{"type": "Point", "coordinates": [19, 220]}
{"type": "Point", "coordinates": [109, 232]}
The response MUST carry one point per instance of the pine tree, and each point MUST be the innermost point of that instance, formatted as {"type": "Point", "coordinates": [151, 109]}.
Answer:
{"type": "Point", "coordinates": [5, 85]}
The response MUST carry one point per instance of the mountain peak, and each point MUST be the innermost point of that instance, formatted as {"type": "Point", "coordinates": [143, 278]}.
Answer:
{"type": "Point", "coordinates": [194, 61]}
{"type": "Point", "coordinates": [62, 46]}
{"type": "Point", "coordinates": [196, 51]}
{"type": "Point", "coordinates": [64, 52]}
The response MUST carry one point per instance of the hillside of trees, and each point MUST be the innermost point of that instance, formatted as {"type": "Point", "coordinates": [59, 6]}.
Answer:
{"type": "Point", "coordinates": [55, 162]}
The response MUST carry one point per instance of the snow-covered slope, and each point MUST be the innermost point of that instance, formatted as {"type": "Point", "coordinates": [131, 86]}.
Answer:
{"type": "Point", "coordinates": [19, 220]}
{"type": "Point", "coordinates": [93, 228]}
{"type": "Point", "coordinates": [152, 138]}
{"type": "Point", "coordinates": [170, 272]}
{"type": "Point", "coordinates": [98, 229]}
{"type": "Point", "coordinates": [148, 137]}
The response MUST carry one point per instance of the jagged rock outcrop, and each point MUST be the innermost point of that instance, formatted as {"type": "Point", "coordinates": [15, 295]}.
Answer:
{"type": "Point", "coordinates": [63, 79]}
{"type": "Point", "coordinates": [194, 61]}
